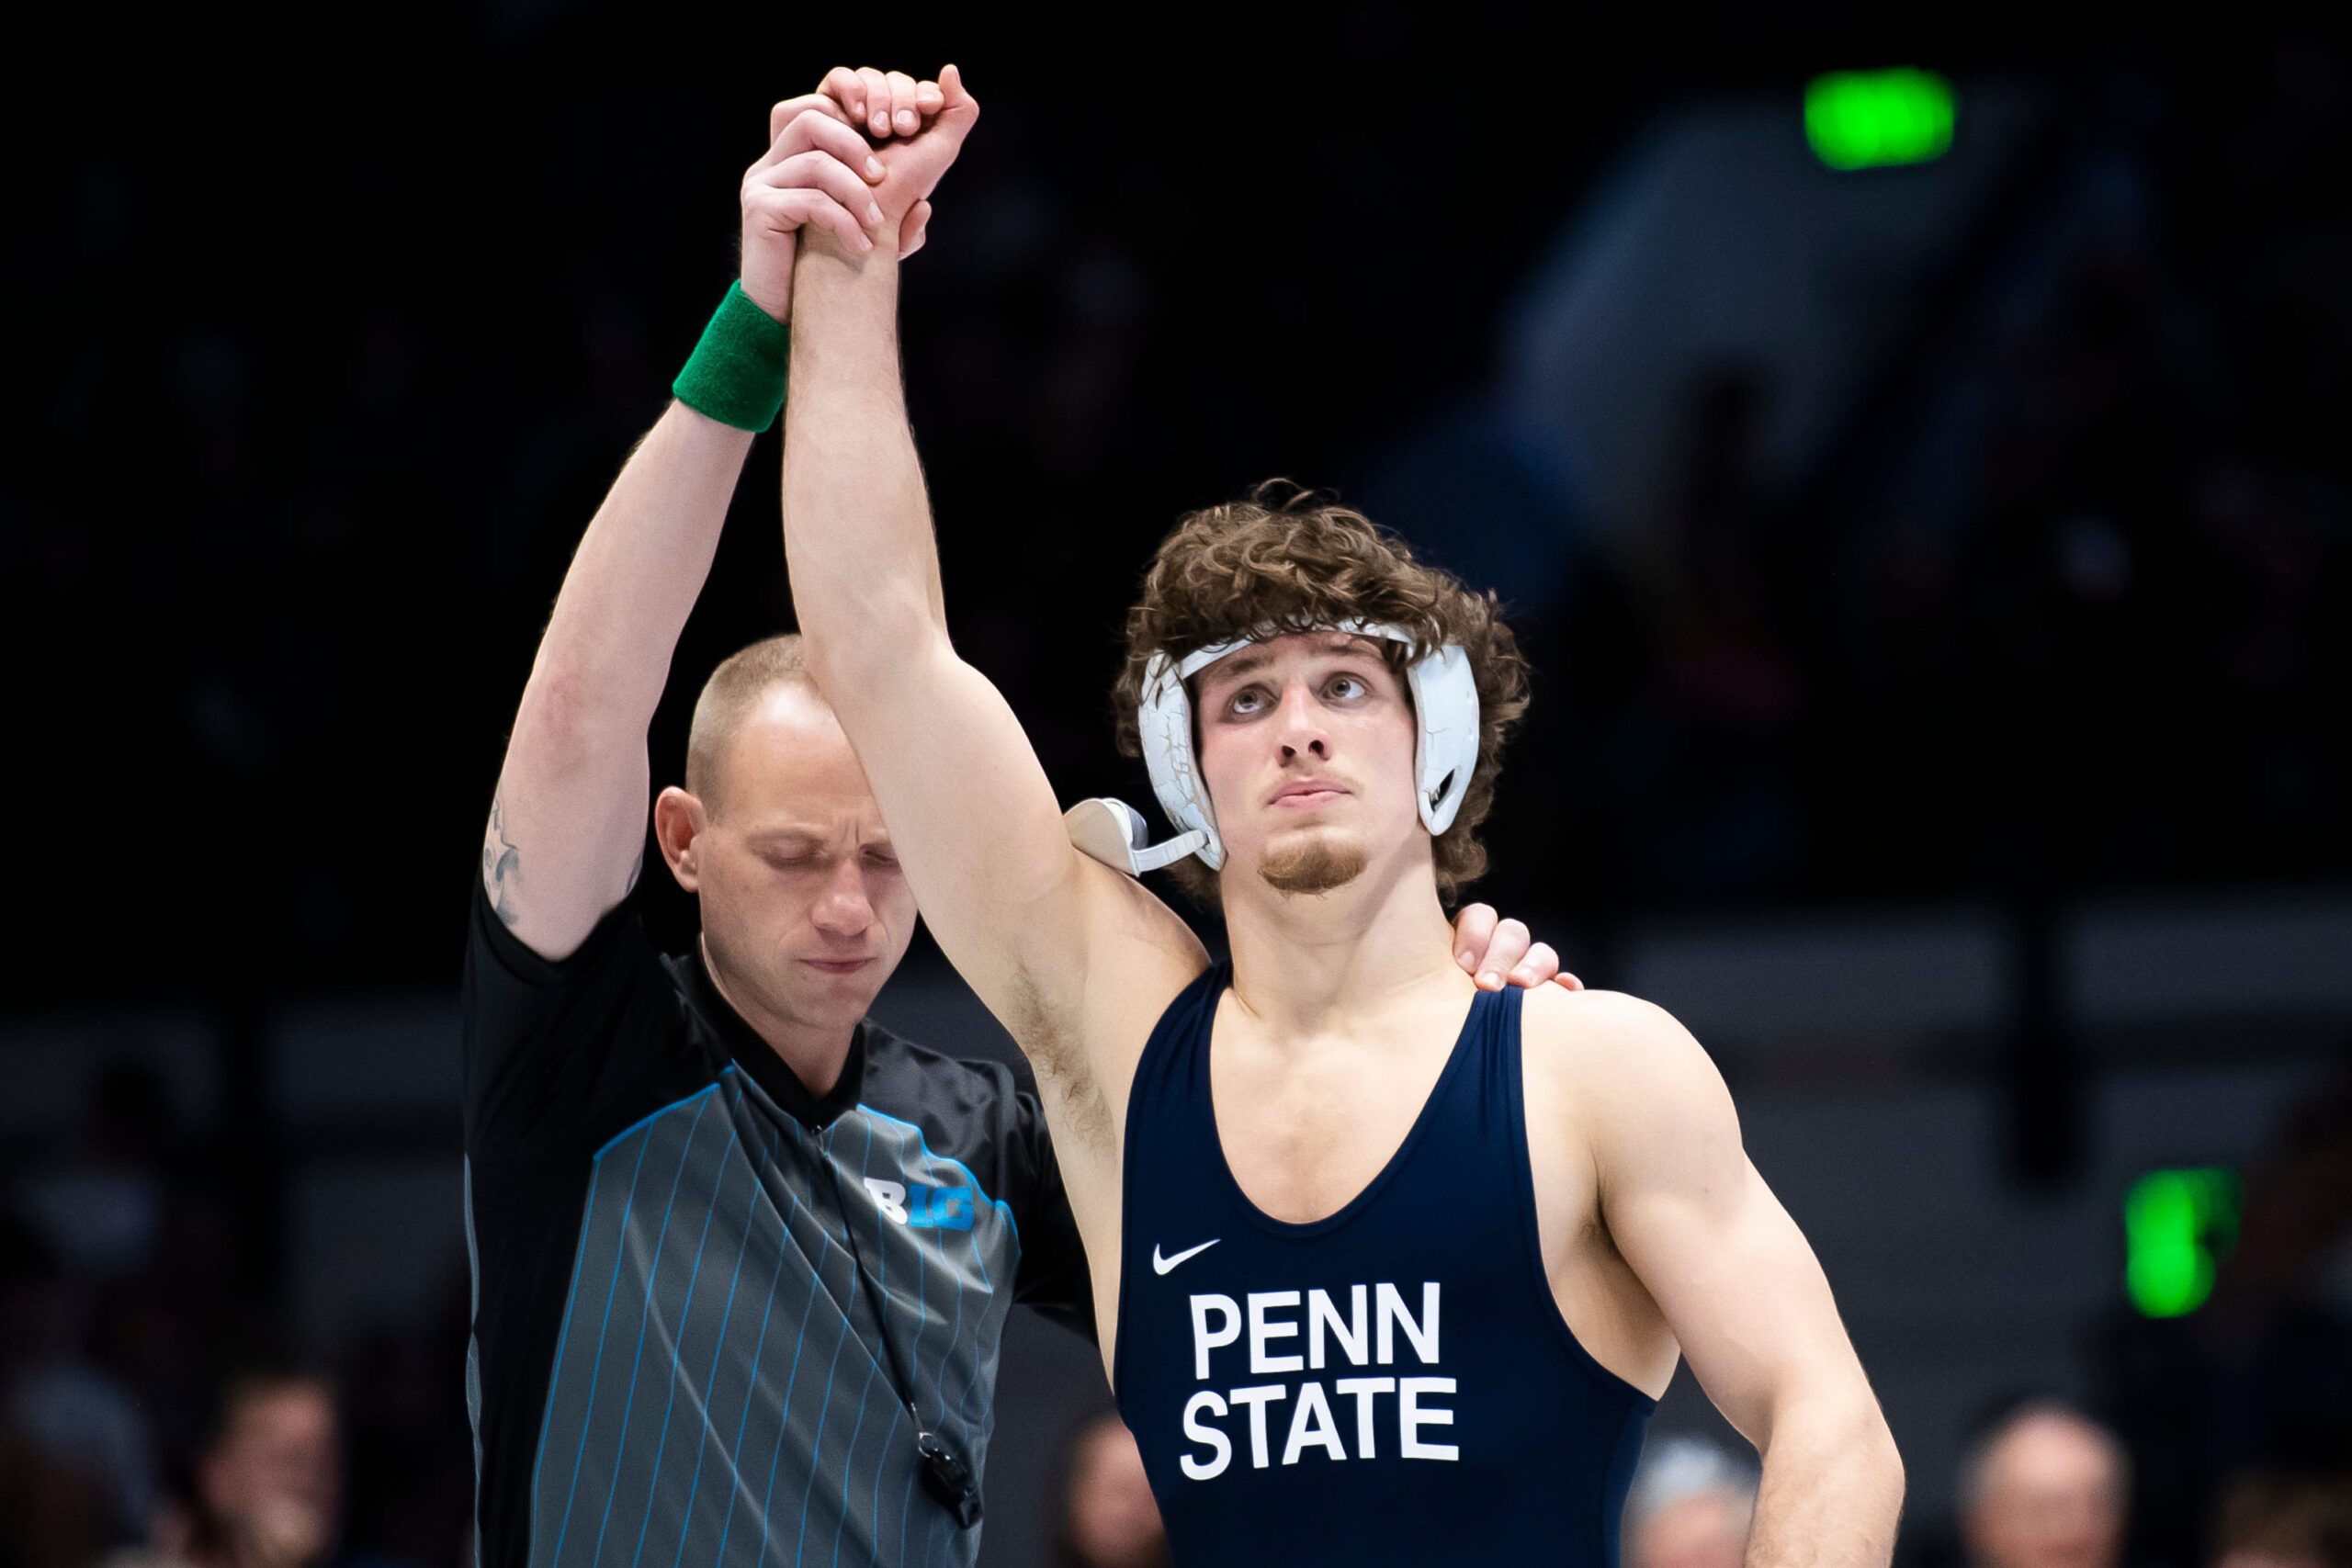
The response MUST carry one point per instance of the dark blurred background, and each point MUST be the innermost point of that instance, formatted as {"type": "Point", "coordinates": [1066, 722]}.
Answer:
{"type": "Point", "coordinates": [1937, 577]}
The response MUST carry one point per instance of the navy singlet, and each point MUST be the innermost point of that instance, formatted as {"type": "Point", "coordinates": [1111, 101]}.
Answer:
{"type": "Point", "coordinates": [1393, 1383]}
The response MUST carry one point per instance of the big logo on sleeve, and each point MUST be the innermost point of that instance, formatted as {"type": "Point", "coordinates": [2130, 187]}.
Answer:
{"type": "Point", "coordinates": [1315, 1331]}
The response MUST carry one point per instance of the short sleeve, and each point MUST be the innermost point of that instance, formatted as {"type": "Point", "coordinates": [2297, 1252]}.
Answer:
{"type": "Point", "coordinates": [557, 1048]}
{"type": "Point", "coordinates": [1053, 1278]}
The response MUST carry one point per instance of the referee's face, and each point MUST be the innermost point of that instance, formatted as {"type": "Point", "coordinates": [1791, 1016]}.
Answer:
{"type": "Point", "coordinates": [805, 911]}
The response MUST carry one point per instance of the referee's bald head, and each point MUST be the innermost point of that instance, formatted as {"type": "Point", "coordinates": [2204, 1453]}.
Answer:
{"type": "Point", "coordinates": [731, 696]}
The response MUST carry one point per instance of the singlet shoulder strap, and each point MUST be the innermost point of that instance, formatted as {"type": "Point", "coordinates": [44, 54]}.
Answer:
{"type": "Point", "coordinates": [1195, 1007]}
{"type": "Point", "coordinates": [1177, 1053]}
{"type": "Point", "coordinates": [1472, 1130]}
{"type": "Point", "coordinates": [1171, 1120]}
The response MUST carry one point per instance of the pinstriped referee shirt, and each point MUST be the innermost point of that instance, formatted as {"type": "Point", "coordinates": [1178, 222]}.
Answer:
{"type": "Point", "coordinates": [682, 1260]}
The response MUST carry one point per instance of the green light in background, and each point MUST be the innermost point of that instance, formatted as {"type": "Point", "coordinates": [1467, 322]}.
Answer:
{"type": "Point", "coordinates": [1867, 120]}
{"type": "Point", "coordinates": [2177, 1224]}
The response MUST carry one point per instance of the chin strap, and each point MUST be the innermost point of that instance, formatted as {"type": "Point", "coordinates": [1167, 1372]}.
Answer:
{"type": "Point", "coordinates": [1115, 833]}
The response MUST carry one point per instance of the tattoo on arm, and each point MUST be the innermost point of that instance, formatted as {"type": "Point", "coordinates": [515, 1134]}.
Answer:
{"type": "Point", "coordinates": [501, 865]}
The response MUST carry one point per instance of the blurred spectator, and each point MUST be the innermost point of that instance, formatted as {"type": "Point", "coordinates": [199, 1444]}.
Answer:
{"type": "Point", "coordinates": [265, 1489]}
{"type": "Point", "coordinates": [1108, 1518]}
{"type": "Point", "coordinates": [2046, 1487]}
{"type": "Point", "coordinates": [2270, 1521]}
{"type": "Point", "coordinates": [1690, 1506]}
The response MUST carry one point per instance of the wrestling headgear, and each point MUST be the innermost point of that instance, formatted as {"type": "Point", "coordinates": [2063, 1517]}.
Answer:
{"type": "Point", "coordinates": [1445, 705]}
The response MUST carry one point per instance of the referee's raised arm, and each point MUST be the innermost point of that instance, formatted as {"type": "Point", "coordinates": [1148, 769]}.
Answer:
{"type": "Point", "coordinates": [567, 826]}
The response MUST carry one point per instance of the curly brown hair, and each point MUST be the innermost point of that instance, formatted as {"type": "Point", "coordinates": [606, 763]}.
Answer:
{"type": "Point", "coordinates": [1281, 557]}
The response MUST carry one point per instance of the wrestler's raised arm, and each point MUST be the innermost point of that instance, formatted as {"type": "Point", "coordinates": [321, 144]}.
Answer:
{"type": "Point", "coordinates": [1076, 960]}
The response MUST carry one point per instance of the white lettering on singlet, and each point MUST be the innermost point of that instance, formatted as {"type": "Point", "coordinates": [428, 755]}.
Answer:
{"type": "Point", "coordinates": [1367, 1393]}
{"type": "Point", "coordinates": [1323, 1433]}
{"type": "Point", "coordinates": [1206, 1339]}
{"type": "Point", "coordinates": [1321, 1313]}
{"type": "Point", "coordinates": [1206, 1470]}
{"type": "Point", "coordinates": [1393, 1315]}
{"type": "Point", "coordinates": [1256, 1398]}
{"type": "Point", "coordinates": [1261, 1330]}
{"type": "Point", "coordinates": [1376, 1325]}
{"type": "Point", "coordinates": [1411, 1417]}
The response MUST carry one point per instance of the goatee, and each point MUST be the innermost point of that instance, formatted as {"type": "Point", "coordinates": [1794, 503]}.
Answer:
{"type": "Point", "coordinates": [1316, 865]}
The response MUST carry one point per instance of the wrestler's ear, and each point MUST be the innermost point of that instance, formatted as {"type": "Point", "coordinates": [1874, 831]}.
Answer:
{"type": "Point", "coordinates": [679, 822]}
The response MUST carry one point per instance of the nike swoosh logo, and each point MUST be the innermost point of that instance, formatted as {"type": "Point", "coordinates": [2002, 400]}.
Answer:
{"type": "Point", "coordinates": [1162, 1265]}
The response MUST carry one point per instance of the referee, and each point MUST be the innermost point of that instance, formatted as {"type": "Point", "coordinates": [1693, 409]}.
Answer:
{"type": "Point", "coordinates": [741, 1257]}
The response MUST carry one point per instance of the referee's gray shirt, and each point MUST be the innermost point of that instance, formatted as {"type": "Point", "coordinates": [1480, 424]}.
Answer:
{"type": "Point", "coordinates": [674, 1358]}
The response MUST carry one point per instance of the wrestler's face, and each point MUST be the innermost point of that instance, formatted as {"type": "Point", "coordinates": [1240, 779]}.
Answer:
{"type": "Point", "coordinates": [805, 912]}
{"type": "Point", "coordinates": [1307, 747]}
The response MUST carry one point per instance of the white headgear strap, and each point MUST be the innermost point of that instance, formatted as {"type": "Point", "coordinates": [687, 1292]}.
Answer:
{"type": "Point", "coordinates": [1445, 705]}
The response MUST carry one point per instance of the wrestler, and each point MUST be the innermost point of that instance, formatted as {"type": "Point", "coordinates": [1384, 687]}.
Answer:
{"type": "Point", "coordinates": [1392, 1268]}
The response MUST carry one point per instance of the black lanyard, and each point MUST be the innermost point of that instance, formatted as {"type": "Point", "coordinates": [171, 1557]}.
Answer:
{"type": "Point", "coordinates": [944, 1475]}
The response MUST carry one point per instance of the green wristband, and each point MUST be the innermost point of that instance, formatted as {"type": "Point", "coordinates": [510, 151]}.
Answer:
{"type": "Point", "coordinates": [736, 375]}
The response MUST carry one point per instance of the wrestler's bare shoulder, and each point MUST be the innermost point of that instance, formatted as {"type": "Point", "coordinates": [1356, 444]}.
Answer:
{"type": "Point", "coordinates": [1608, 1049]}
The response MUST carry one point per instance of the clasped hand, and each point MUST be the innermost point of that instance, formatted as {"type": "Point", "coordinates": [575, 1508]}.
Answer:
{"type": "Point", "coordinates": [854, 162]}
